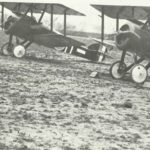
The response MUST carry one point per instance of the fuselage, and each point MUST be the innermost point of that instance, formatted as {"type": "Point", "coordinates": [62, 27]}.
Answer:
{"type": "Point", "coordinates": [29, 29]}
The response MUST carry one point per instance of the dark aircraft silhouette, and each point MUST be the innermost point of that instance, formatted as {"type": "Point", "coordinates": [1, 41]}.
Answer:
{"type": "Point", "coordinates": [30, 31]}
{"type": "Point", "coordinates": [132, 37]}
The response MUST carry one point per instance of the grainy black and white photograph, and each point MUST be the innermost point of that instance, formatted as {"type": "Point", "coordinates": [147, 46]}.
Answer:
{"type": "Point", "coordinates": [74, 75]}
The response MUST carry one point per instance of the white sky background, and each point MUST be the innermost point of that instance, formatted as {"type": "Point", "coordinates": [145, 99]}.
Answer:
{"type": "Point", "coordinates": [92, 23]}
{"type": "Point", "coordinates": [92, 14]}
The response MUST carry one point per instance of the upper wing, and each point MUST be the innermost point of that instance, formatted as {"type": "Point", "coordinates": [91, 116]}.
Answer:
{"type": "Point", "coordinates": [57, 9]}
{"type": "Point", "coordinates": [38, 7]}
{"type": "Point", "coordinates": [124, 12]}
{"type": "Point", "coordinates": [16, 7]}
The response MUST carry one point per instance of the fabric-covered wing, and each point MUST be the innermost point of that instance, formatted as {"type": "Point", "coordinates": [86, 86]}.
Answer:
{"type": "Point", "coordinates": [124, 12]}
{"type": "Point", "coordinates": [57, 9]}
{"type": "Point", "coordinates": [38, 7]}
{"type": "Point", "coordinates": [16, 7]}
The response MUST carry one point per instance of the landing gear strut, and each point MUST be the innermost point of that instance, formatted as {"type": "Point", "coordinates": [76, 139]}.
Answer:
{"type": "Point", "coordinates": [18, 50]}
{"type": "Point", "coordinates": [138, 73]}
{"type": "Point", "coordinates": [118, 69]}
{"type": "Point", "coordinates": [7, 48]}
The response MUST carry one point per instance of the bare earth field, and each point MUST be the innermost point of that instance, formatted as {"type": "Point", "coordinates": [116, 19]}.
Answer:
{"type": "Point", "coordinates": [48, 101]}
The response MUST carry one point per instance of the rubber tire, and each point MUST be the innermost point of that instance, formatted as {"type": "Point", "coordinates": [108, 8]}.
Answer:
{"type": "Point", "coordinates": [132, 76]}
{"type": "Point", "coordinates": [111, 71]}
{"type": "Point", "coordinates": [2, 49]}
{"type": "Point", "coordinates": [21, 56]}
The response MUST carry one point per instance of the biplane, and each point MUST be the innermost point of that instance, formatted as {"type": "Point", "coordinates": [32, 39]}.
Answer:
{"type": "Point", "coordinates": [29, 30]}
{"type": "Point", "coordinates": [131, 37]}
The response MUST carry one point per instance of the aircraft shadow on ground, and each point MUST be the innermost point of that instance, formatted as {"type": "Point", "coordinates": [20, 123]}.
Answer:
{"type": "Point", "coordinates": [127, 80]}
{"type": "Point", "coordinates": [92, 62]}
{"type": "Point", "coordinates": [106, 76]}
{"type": "Point", "coordinates": [46, 61]}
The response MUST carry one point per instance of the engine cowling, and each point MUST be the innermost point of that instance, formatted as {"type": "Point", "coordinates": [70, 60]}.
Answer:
{"type": "Point", "coordinates": [10, 21]}
{"type": "Point", "coordinates": [133, 38]}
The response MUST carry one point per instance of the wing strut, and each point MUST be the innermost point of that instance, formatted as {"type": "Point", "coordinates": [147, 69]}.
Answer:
{"type": "Point", "coordinates": [17, 7]}
{"type": "Point", "coordinates": [117, 17]}
{"type": "Point", "coordinates": [117, 22]}
{"type": "Point", "coordinates": [31, 12]}
{"type": "Point", "coordinates": [52, 15]}
{"type": "Point", "coordinates": [2, 15]}
{"type": "Point", "coordinates": [65, 21]}
{"type": "Point", "coordinates": [42, 13]}
{"type": "Point", "coordinates": [27, 11]}
{"type": "Point", "coordinates": [133, 11]}
{"type": "Point", "coordinates": [102, 24]}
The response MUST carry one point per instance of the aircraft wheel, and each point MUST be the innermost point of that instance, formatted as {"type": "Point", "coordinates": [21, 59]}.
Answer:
{"type": "Point", "coordinates": [59, 48]}
{"type": "Point", "coordinates": [6, 49]}
{"type": "Point", "coordinates": [19, 51]}
{"type": "Point", "coordinates": [117, 73]}
{"type": "Point", "coordinates": [139, 74]}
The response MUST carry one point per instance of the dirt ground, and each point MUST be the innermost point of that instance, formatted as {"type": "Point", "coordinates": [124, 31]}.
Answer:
{"type": "Point", "coordinates": [48, 101]}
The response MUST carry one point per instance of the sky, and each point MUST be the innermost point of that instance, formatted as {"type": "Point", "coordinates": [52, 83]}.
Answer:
{"type": "Point", "coordinates": [92, 21]}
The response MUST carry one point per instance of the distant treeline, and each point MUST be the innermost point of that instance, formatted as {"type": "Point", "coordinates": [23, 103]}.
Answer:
{"type": "Point", "coordinates": [89, 34]}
